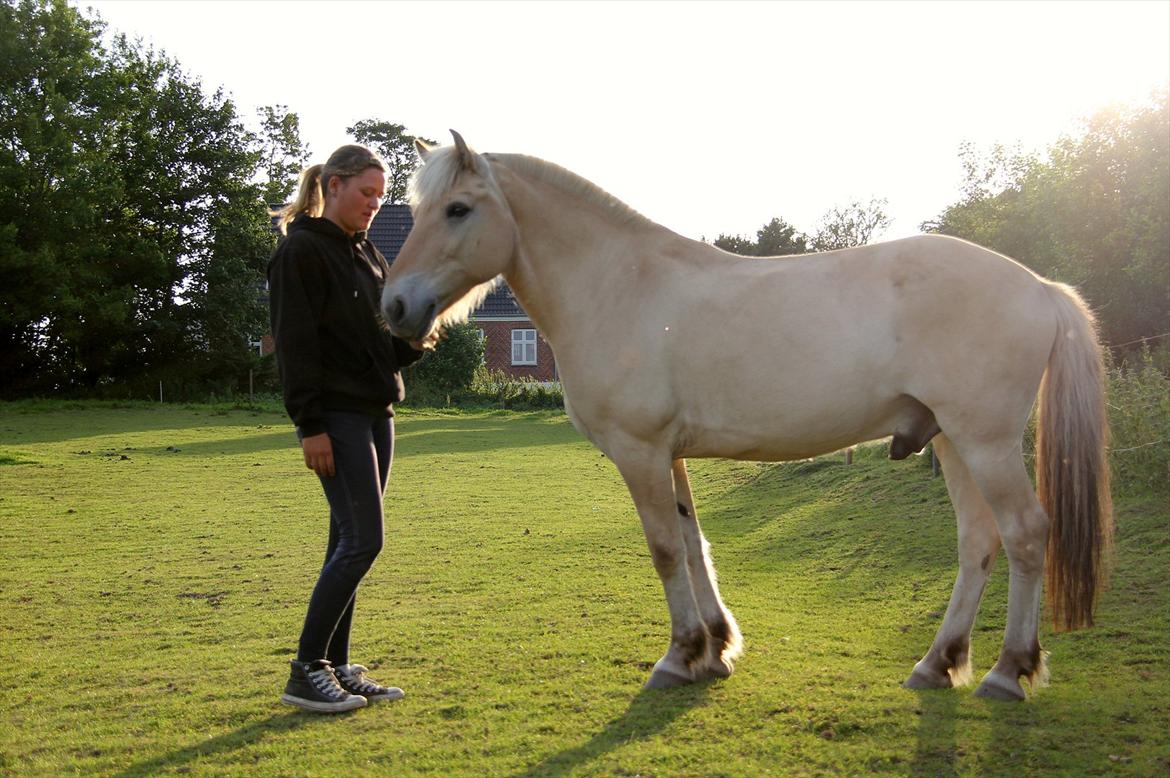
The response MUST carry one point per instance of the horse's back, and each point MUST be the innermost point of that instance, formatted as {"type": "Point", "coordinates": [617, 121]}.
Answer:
{"type": "Point", "coordinates": [788, 357]}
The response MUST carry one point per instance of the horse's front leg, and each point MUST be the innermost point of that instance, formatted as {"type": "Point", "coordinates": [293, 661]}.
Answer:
{"type": "Point", "coordinates": [647, 473]}
{"type": "Point", "coordinates": [725, 644]}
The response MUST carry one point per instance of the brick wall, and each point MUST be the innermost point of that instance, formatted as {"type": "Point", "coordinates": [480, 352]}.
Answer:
{"type": "Point", "coordinates": [498, 351]}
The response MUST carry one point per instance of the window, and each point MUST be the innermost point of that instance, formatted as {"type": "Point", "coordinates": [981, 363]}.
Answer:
{"type": "Point", "coordinates": [523, 347]}
{"type": "Point", "coordinates": [258, 345]}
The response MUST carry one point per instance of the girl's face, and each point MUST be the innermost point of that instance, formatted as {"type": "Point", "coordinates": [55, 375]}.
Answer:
{"type": "Point", "coordinates": [352, 202]}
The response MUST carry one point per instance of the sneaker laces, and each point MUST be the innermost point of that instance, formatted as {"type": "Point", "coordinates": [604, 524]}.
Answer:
{"type": "Point", "coordinates": [355, 677]}
{"type": "Point", "coordinates": [325, 681]}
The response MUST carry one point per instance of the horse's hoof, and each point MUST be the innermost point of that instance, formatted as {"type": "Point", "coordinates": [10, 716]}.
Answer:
{"type": "Point", "coordinates": [997, 687]}
{"type": "Point", "coordinates": [718, 670]}
{"type": "Point", "coordinates": [926, 679]}
{"type": "Point", "coordinates": [664, 679]}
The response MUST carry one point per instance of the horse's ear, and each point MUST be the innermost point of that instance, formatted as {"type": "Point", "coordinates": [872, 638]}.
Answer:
{"type": "Point", "coordinates": [423, 149]}
{"type": "Point", "coordinates": [466, 155]}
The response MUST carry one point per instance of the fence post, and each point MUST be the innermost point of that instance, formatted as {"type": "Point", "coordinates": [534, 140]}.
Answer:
{"type": "Point", "coordinates": [849, 455]}
{"type": "Point", "coordinates": [160, 391]}
{"type": "Point", "coordinates": [251, 394]}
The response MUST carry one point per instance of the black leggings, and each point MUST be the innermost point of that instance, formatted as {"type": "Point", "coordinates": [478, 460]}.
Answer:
{"type": "Point", "coordinates": [362, 449]}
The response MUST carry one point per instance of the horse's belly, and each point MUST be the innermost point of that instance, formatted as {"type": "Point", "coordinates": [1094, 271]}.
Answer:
{"type": "Point", "coordinates": [765, 449]}
{"type": "Point", "coordinates": [786, 435]}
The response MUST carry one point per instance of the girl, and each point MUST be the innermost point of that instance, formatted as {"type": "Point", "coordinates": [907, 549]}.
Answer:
{"type": "Point", "coordinates": [339, 369]}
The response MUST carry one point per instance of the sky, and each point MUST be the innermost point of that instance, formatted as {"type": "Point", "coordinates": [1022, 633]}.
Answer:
{"type": "Point", "coordinates": [708, 117]}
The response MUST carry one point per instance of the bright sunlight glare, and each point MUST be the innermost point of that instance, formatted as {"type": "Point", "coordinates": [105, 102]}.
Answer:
{"type": "Point", "coordinates": [709, 117]}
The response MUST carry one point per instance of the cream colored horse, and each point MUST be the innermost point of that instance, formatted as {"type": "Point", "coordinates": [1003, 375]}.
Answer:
{"type": "Point", "coordinates": [669, 348]}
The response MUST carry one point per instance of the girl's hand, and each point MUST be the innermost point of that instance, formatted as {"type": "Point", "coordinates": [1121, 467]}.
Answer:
{"type": "Point", "coordinates": [319, 454]}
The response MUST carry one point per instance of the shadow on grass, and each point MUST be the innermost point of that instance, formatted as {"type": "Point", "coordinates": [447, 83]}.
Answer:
{"type": "Point", "coordinates": [1011, 739]}
{"type": "Point", "coordinates": [1010, 745]}
{"type": "Point", "coordinates": [427, 437]}
{"type": "Point", "coordinates": [935, 751]}
{"type": "Point", "coordinates": [245, 737]}
{"type": "Point", "coordinates": [22, 424]}
{"type": "Point", "coordinates": [650, 712]}
{"type": "Point", "coordinates": [250, 443]}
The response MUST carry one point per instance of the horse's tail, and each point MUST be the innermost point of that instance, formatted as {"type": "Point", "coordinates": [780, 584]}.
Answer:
{"type": "Point", "coordinates": [1072, 470]}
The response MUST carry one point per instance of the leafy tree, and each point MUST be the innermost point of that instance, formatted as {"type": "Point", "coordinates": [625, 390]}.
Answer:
{"type": "Point", "coordinates": [396, 146]}
{"type": "Point", "coordinates": [52, 85]}
{"type": "Point", "coordinates": [452, 365]}
{"type": "Point", "coordinates": [776, 238]}
{"type": "Point", "coordinates": [1094, 212]}
{"type": "Point", "coordinates": [851, 225]}
{"type": "Point", "coordinates": [736, 244]}
{"type": "Point", "coordinates": [282, 153]}
{"type": "Point", "coordinates": [132, 238]}
{"type": "Point", "coordinates": [779, 238]}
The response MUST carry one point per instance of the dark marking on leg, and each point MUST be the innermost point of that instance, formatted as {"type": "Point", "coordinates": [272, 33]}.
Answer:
{"type": "Point", "coordinates": [986, 561]}
{"type": "Point", "coordinates": [682, 510]}
{"type": "Point", "coordinates": [720, 632]}
{"type": "Point", "coordinates": [693, 646]}
{"type": "Point", "coordinates": [1027, 663]}
{"type": "Point", "coordinates": [955, 654]}
{"type": "Point", "coordinates": [665, 559]}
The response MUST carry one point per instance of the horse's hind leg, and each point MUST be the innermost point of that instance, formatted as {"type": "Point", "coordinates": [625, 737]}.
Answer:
{"type": "Point", "coordinates": [1023, 528]}
{"type": "Point", "coordinates": [725, 644]}
{"type": "Point", "coordinates": [948, 662]}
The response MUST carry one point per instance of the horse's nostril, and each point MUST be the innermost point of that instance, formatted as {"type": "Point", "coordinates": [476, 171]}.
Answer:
{"type": "Point", "coordinates": [397, 310]}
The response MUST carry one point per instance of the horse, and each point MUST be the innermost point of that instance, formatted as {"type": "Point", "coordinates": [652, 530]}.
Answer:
{"type": "Point", "coordinates": [669, 348]}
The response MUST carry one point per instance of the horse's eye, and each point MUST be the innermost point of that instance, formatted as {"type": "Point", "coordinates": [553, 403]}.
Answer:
{"type": "Point", "coordinates": [457, 210]}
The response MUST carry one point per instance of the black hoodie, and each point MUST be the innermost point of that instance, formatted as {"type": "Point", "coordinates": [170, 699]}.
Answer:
{"type": "Point", "coordinates": [332, 349]}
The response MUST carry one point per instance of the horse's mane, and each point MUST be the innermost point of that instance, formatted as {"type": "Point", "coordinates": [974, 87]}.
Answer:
{"type": "Point", "coordinates": [438, 174]}
{"type": "Point", "coordinates": [570, 183]}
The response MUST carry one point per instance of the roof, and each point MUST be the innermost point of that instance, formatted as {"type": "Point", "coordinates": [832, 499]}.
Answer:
{"type": "Point", "coordinates": [388, 232]}
{"type": "Point", "coordinates": [501, 303]}
{"type": "Point", "coordinates": [389, 229]}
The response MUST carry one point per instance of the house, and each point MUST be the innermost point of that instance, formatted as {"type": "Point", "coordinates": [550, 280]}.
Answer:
{"type": "Point", "coordinates": [512, 343]}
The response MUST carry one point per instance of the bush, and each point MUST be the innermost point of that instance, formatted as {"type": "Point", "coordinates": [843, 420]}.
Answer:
{"type": "Point", "coordinates": [1138, 398]}
{"type": "Point", "coordinates": [450, 368]}
{"type": "Point", "coordinates": [499, 390]}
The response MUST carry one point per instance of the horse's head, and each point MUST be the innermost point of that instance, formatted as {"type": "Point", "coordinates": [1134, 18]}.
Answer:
{"type": "Point", "coordinates": [462, 240]}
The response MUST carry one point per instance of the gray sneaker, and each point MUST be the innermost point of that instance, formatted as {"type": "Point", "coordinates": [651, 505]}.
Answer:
{"type": "Point", "coordinates": [353, 679]}
{"type": "Point", "coordinates": [313, 686]}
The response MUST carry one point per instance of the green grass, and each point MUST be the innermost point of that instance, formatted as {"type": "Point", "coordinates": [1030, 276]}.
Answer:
{"type": "Point", "coordinates": [156, 562]}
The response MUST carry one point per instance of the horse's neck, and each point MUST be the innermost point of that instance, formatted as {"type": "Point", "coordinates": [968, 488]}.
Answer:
{"type": "Point", "coordinates": [570, 246]}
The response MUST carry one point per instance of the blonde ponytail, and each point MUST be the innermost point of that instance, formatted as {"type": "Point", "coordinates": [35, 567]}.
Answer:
{"type": "Point", "coordinates": [345, 162]}
{"type": "Point", "coordinates": [310, 199]}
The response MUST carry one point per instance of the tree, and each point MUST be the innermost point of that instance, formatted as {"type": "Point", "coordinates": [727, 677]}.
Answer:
{"type": "Point", "coordinates": [396, 147]}
{"type": "Point", "coordinates": [779, 238]}
{"type": "Point", "coordinates": [282, 153]}
{"type": "Point", "coordinates": [736, 244]}
{"type": "Point", "coordinates": [851, 225]}
{"type": "Point", "coordinates": [776, 238]}
{"type": "Point", "coordinates": [52, 85]}
{"type": "Point", "coordinates": [1094, 211]}
{"type": "Point", "coordinates": [132, 234]}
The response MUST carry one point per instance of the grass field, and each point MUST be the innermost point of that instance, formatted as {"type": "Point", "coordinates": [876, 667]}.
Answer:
{"type": "Point", "coordinates": [156, 563]}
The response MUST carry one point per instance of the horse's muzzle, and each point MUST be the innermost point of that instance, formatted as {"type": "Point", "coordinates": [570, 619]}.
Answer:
{"type": "Point", "coordinates": [407, 319]}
